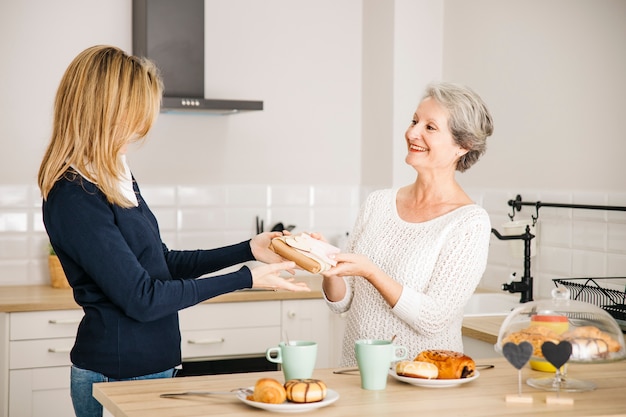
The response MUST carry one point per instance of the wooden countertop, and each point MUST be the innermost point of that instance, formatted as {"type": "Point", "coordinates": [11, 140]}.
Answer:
{"type": "Point", "coordinates": [484, 397]}
{"type": "Point", "coordinates": [44, 297]}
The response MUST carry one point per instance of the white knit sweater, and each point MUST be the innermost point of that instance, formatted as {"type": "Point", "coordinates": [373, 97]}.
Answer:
{"type": "Point", "coordinates": [439, 264]}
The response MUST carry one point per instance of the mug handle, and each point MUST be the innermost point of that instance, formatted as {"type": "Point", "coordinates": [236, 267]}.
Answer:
{"type": "Point", "coordinates": [399, 353]}
{"type": "Point", "coordinates": [277, 351]}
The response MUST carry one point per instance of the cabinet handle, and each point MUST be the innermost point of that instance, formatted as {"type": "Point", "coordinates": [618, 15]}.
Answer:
{"type": "Point", "coordinates": [205, 341]}
{"type": "Point", "coordinates": [291, 314]}
{"type": "Point", "coordinates": [59, 350]}
{"type": "Point", "coordinates": [64, 321]}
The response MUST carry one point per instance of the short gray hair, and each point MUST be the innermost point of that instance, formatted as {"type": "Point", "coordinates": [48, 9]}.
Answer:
{"type": "Point", "coordinates": [470, 121]}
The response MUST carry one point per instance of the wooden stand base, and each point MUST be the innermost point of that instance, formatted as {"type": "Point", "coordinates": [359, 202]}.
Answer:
{"type": "Point", "coordinates": [519, 399]}
{"type": "Point", "coordinates": [551, 400]}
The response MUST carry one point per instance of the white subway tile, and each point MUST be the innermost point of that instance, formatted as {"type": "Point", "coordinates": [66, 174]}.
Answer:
{"type": "Point", "coordinates": [556, 261]}
{"type": "Point", "coordinates": [616, 241]}
{"type": "Point", "coordinates": [14, 246]}
{"type": "Point", "coordinates": [297, 216]}
{"type": "Point", "coordinates": [202, 195]}
{"type": "Point", "coordinates": [195, 219]}
{"type": "Point", "coordinates": [336, 218]}
{"type": "Point", "coordinates": [589, 264]}
{"type": "Point", "coordinates": [243, 219]}
{"type": "Point", "coordinates": [14, 196]}
{"type": "Point", "coordinates": [202, 240]}
{"type": "Point", "coordinates": [555, 232]}
{"type": "Point", "coordinates": [589, 235]}
{"type": "Point", "coordinates": [167, 218]}
{"type": "Point", "coordinates": [13, 221]}
{"type": "Point", "coordinates": [248, 195]}
{"type": "Point", "coordinates": [159, 196]}
{"type": "Point", "coordinates": [38, 225]}
{"type": "Point", "coordinates": [335, 196]}
{"type": "Point", "coordinates": [617, 200]}
{"type": "Point", "coordinates": [593, 199]}
{"type": "Point", "coordinates": [616, 265]}
{"type": "Point", "coordinates": [14, 272]}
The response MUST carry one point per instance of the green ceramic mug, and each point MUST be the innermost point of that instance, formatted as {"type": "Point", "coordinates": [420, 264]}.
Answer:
{"type": "Point", "coordinates": [374, 358]}
{"type": "Point", "coordinates": [297, 358]}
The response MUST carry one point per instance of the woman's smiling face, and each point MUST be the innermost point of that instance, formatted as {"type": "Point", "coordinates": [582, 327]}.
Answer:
{"type": "Point", "coordinates": [430, 143]}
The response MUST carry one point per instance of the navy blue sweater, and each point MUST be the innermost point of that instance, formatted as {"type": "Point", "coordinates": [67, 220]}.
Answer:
{"type": "Point", "coordinates": [129, 284]}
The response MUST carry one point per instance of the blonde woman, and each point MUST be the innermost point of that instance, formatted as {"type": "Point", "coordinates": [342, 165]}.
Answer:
{"type": "Point", "coordinates": [129, 284]}
{"type": "Point", "coordinates": [418, 252]}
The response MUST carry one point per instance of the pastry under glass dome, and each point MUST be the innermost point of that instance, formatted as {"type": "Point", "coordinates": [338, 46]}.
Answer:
{"type": "Point", "coordinates": [593, 333]}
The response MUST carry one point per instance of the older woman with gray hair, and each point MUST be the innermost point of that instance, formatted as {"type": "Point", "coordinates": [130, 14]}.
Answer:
{"type": "Point", "coordinates": [417, 253]}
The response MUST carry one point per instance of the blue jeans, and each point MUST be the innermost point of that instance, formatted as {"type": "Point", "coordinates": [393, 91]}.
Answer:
{"type": "Point", "coordinates": [81, 389]}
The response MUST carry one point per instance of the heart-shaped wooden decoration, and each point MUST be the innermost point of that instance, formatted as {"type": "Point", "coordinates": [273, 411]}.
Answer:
{"type": "Point", "coordinates": [557, 355]}
{"type": "Point", "coordinates": [517, 355]}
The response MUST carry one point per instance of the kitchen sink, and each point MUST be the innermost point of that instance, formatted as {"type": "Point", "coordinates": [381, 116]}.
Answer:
{"type": "Point", "coordinates": [490, 304]}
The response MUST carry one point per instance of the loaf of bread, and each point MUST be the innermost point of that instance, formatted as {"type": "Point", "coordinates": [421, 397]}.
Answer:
{"type": "Point", "coordinates": [268, 390]}
{"type": "Point", "coordinates": [305, 390]}
{"type": "Point", "coordinates": [310, 254]}
{"type": "Point", "coordinates": [450, 364]}
{"type": "Point", "coordinates": [417, 369]}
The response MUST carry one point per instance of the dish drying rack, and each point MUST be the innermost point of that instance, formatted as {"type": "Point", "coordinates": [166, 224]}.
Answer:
{"type": "Point", "coordinates": [612, 300]}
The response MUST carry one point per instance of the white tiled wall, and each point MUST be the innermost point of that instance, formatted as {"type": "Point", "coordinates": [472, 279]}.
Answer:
{"type": "Point", "coordinates": [189, 217]}
{"type": "Point", "coordinates": [570, 242]}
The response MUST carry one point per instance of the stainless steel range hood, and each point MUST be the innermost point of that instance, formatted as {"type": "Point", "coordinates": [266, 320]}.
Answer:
{"type": "Point", "coordinates": [171, 33]}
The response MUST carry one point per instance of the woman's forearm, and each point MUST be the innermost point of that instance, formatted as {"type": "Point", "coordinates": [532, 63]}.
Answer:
{"type": "Point", "coordinates": [334, 288]}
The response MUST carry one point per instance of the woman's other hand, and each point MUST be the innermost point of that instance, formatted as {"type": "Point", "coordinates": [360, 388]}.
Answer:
{"type": "Point", "coordinates": [268, 277]}
{"type": "Point", "coordinates": [260, 245]}
{"type": "Point", "coordinates": [351, 264]}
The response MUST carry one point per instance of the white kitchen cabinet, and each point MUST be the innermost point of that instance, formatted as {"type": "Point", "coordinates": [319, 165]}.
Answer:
{"type": "Point", "coordinates": [217, 330]}
{"type": "Point", "coordinates": [35, 346]}
{"type": "Point", "coordinates": [309, 320]}
{"type": "Point", "coordinates": [35, 366]}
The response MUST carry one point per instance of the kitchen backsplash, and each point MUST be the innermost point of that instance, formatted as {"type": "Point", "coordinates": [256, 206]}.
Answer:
{"type": "Point", "coordinates": [570, 242]}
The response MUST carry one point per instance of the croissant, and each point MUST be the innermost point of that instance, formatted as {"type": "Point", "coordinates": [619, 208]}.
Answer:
{"type": "Point", "coordinates": [451, 365]}
{"type": "Point", "coordinates": [268, 390]}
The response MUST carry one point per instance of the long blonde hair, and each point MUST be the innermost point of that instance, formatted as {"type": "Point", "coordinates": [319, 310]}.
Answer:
{"type": "Point", "coordinates": [106, 99]}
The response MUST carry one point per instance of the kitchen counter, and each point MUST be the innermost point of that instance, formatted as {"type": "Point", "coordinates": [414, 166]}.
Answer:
{"type": "Point", "coordinates": [44, 297]}
{"type": "Point", "coordinates": [482, 397]}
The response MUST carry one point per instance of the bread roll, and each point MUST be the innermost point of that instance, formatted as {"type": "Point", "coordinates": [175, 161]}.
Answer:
{"type": "Point", "coordinates": [268, 390]}
{"type": "Point", "coordinates": [450, 364]}
{"type": "Point", "coordinates": [417, 369]}
{"type": "Point", "coordinates": [305, 390]}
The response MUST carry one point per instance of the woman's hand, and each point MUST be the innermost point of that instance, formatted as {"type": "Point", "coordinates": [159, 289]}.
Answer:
{"type": "Point", "coordinates": [260, 245]}
{"type": "Point", "coordinates": [268, 277]}
{"type": "Point", "coordinates": [351, 264]}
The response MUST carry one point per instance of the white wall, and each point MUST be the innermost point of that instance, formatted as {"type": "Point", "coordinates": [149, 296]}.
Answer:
{"type": "Point", "coordinates": [303, 59]}
{"type": "Point", "coordinates": [553, 74]}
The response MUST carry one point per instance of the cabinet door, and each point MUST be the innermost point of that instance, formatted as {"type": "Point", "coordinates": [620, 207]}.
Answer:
{"type": "Point", "coordinates": [42, 392]}
{"type": "Point", "coordinates": [308, 320]}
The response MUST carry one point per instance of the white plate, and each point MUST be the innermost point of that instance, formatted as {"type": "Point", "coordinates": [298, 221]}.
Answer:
{"type": "Point", "coordinates": [289, 407]}
{"type": "Point", "coordinates": [433, 383]}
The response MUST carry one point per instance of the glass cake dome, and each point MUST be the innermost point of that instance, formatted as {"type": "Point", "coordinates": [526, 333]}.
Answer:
{"type": "Point", "coordinates": [593, 333]}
